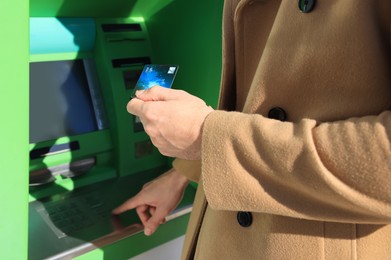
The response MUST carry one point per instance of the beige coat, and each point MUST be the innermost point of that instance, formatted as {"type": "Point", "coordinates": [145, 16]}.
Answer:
{"type": "Point", "coordinates": [318, 186]}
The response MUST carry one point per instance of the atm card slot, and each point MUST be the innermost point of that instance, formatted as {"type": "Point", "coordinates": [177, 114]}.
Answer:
{"type": "Point", "coordinates": [123, 27]}
{"type": "Point", "coordinates": [130, 62]}
{"type": "Point", "coordinates": [124, 39]}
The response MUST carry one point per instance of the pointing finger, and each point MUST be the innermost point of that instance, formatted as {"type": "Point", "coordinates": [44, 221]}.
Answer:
{"type": "Point", "coordinates": [128, 205]}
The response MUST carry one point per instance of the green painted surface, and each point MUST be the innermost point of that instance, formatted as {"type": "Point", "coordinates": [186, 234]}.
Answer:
{"type": "Point", "coordinates": [110, 46]}
{"type": "Point", "coordinates": [92, 143]}
{"type": "Point", "coordinates": [189, 34]}
{"type": "Point", "coordinates": [92, 8]}
{"type": "Point", "coordinates": [14, 128]}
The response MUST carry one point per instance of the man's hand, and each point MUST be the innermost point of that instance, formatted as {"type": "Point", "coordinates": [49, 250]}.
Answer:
{"type": "Point", "coordinates": [156, 200]}
{"type": "Point", "coordinates": [173, 119]}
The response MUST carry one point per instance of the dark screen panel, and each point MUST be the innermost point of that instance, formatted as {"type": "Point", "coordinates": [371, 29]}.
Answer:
{"type": "Point", "coordinates": [60, 100]}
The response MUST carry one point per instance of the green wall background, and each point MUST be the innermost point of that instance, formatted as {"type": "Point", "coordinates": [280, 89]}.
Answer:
{"type": "Point", "coordinates": [14, 141]}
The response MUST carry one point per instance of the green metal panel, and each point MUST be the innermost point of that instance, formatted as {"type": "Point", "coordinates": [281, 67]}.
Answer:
{"type": "Point", "coordinates": [93, 8]}
{"type": "Point", "coordinates": [123, 45]}
{"type": "Point", "coordinates": [96, 145]}
{"type": "Point", "coordinates": [14, 96]}
{"type": "Point", "coordinates": [189, 34]}
{"type": "Point", "coordinates": [77, 8]}
{"type": "Point", "coordinates": [93, 143]}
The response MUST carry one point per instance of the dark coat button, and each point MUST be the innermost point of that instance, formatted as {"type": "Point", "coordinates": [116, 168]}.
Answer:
{"type": "Point", "coordinates": [245, 219]}
{"type": "Point", "coordinates": [306, 6]}
{"type": "Point", "coordinates": [277, 113]}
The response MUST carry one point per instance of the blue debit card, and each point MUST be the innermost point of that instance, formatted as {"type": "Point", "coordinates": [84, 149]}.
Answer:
{"type": "Point", "coordinates": [156, 75]}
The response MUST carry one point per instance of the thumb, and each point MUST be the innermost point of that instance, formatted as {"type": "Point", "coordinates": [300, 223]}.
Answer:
{"type": "Point", "coordinates": [157, 93]}
{"type": "Point", "coordinates": [153, 223]}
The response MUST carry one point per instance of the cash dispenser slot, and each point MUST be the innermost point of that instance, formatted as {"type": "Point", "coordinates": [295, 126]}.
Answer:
{"type": "Point", "coordinates": [54, 149]}
{"type": "Point", "coordinates": [67, 170]}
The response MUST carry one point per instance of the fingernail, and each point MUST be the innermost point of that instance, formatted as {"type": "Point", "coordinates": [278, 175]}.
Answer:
{"type": "Point", "coordinates": [147, 231]}
{"type": "Point", "coordinates": [139, 92]}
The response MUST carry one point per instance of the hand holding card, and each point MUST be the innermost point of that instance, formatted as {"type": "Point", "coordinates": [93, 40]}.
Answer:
{"type": "Point", "coordinates": [173, 119]}
{"type": "Point", "coordinates": [156, 75]}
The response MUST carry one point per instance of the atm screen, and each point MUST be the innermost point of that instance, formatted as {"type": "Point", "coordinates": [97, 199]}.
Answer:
{"type": "Point", "coordinates": [61, 103]}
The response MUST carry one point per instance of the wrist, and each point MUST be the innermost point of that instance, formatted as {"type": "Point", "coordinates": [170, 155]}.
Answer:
{"type": "Point", "coordinates": [180, 179]}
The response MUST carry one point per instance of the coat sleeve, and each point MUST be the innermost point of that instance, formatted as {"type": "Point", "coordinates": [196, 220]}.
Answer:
{"type": "Point", "coordinates": [336, 171]}
{"type": "Point", "coordinates": [190, 169]}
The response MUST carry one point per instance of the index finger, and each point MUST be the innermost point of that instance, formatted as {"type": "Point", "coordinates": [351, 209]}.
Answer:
{"type": "Point", "coordinates": [128, 205]}
{"type": "Point", "coordinates": [134, 106]}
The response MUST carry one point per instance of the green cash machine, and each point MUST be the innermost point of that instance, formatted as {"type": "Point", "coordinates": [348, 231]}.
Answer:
{"type": "Point", "coordinates": [71, 153]}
